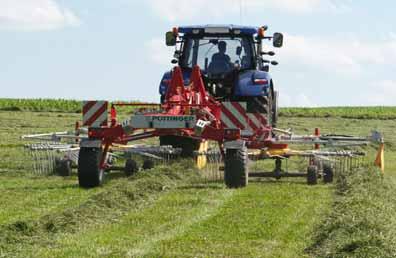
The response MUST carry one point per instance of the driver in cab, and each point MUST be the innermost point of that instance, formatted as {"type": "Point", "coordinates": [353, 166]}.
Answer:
{"type": "Point", "coordinates": [221, 56]}
{"type": "Point", "coordinates": [221, 62]}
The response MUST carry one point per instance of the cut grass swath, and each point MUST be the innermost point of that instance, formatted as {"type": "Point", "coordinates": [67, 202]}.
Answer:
{"type": "Point", "coordinates": [363, 221]}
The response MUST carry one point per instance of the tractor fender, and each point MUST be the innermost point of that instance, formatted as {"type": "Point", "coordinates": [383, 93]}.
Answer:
{"type": "Point", "coordinates": [245, 85]}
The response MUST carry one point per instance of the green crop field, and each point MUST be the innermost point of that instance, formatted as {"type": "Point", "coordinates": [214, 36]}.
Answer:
{"type": "Point", "coordinates": [170, 211]}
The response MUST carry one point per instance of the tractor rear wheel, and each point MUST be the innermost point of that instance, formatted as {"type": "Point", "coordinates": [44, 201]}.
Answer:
{"type": "Point", "coordinates": [328, 173]}
{"type": "Point", "coordinates": [89, 172]}
{"type": "Point", "coordinates": [312, 175]}
{"type": "Point", "coordinates": [236, 168]}
{"type": "Point", "coordinates": [187, 145]}
{"type": "Point", "coordinates": [274, 111]}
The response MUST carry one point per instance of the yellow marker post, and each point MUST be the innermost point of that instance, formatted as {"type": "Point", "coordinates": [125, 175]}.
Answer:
{"type": "Point", "coordinates": [201, 157]}
{"type": "Point", "coordinates": [380, 160]}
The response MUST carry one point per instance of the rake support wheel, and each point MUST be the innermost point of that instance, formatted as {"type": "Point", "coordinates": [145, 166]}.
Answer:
{"type": "Point", "coordinates": [312, 175]}
{"type": "Point", "coordinates": [89, 172]}
{"type": "Point", "coordinates": [131, 167]}
{"type": "Point", "coordinates": [328, 174]}
{"type": "Point", "coordinates": [236, 168]}
{"type": "Point", "coordinates": [148, 164]}
{"type": "Point", "coordinates": [63, 167]}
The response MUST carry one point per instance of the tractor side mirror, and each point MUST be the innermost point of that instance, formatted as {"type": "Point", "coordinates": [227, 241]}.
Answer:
{"type": "Point", "coordinates": [170, 39]}
{"type": "Point", "coordinates": [270, 53]}
{"type": "Point", "coordinates": [239, 51]}
{"type": "Point", "coordinates": [277, 39]}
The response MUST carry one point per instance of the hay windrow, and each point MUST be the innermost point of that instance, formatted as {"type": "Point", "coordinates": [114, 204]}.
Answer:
{"type": "Point", "coordinates": [105, 207]}
{"type": "Point", "coordinates": [363, 220]}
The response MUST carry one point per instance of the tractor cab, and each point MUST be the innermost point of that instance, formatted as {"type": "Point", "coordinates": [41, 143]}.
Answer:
{"type": "Point", "coordinates": [230, 58]}
{"type": "Point", "coordinates": [221, 59]}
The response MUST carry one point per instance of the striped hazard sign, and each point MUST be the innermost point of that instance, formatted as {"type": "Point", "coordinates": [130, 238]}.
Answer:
{"type": "Point", "coordinates": [234, 115]}
{"type": "Point", "coordinates": [95, 113]}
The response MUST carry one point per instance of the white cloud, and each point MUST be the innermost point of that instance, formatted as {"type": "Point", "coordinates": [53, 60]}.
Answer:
{"type": "Point", "coordinates": [382, 93]}
{"type": "Point", "coordinates": [35, 15]}
{"type": "Point", "coordinates": [337, 55]}
{"type": "Point", "coordinates": [299, 100]}
{"type": "Point", "coordinates": [187, 10]}
{"type": "Point", "coordinates": [158, 51]}
{"type": "Point", "coordinates": [294, 6]}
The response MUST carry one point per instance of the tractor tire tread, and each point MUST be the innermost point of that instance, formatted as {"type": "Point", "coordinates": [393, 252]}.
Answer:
{"type": "Point", "coordinates": [89, 173]}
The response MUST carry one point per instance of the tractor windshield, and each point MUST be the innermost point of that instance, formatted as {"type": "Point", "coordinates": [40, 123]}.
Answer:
{"type": "Point", "coordinates": [217, 55]}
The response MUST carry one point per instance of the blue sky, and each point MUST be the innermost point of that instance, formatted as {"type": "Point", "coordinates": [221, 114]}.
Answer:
{"type": "Point", "coordinates": [336, 52]}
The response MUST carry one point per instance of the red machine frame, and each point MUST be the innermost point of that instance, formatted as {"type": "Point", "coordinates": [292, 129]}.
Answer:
{"type": "Point", "coordinates": [183, 100]}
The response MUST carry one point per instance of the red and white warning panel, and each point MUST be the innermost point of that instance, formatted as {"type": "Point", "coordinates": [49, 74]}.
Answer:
{"type": "Point", "coordinates": [95, 113]}
{"type": "Point", "coordinates": [235, 115]}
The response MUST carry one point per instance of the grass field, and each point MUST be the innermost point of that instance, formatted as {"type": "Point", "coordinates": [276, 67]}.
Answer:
{"type": "Point", "coordinates": [170, 211]}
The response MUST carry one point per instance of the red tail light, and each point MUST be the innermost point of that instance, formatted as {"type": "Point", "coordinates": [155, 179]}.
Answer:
{"type": "Point", "coordinates": [260, 81]}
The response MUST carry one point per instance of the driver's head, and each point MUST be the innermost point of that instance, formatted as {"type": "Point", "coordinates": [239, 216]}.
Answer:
{"type": "Point", "coordinates": [222, 47]}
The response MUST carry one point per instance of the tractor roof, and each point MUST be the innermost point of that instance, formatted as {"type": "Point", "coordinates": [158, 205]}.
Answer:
{"type": "Point", "coordinates": [220, 29]}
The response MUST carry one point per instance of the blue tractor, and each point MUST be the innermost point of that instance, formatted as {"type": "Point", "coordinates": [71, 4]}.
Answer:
{"type": "Point", "coordinates": [233, 66]}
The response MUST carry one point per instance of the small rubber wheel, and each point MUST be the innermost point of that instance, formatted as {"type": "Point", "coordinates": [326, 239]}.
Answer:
{"type": "Point", "coordinates": [312, 175]}
{"type": "Point", "coordinates": [148, 164]}
{"type": "Point", "coordinates": [89, 172]}
{"type": "Point", "coordinates": [131, 167]}
{"type": "Point", "coordinates": [328, 174]}
{"type": "Point", "coordinates": [236, 174]}
{"type": "Point", "coordinates": [63, 167]}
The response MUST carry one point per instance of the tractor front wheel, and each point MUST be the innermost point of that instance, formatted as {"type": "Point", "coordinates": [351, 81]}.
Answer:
{"type": "Point", "coordinates": [236, 168]}
{"type": "Point", "coordinates": [89, 172]}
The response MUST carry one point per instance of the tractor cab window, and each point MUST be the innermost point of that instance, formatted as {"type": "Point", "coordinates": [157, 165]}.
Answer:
{"type": "Point", "coordinates": [216, 55]}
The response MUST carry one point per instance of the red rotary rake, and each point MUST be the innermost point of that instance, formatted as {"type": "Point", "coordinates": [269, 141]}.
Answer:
{"type": "Point", "coordinates": [191, 113]}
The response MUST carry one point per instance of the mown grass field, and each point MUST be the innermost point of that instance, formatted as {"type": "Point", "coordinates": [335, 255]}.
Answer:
{"type": "Point", "coordinates": [170, 211]}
